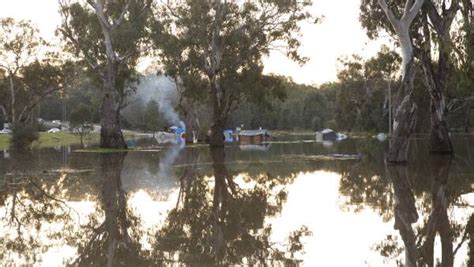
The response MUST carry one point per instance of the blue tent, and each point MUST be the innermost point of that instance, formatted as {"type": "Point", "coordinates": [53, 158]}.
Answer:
{"type": "Point", "coordinates": [229, 135]}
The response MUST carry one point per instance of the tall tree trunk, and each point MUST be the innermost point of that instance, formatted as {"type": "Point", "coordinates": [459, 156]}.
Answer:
{"type": "Point", "coordinates": [217, 131]}
{"type": "Point", "coordinates": [404, 117]}
{"type": "Point", "coordinates": [111, 132]}
{"type": "Point", "coordinates": [436, 78]}
{"type": "Point", "coordinates": [217, 93]}
{"type": "Point", "coordinates": [440, 141]}
{"type": "Point", "coordinates": [439, 137]}
{"type": "Point", "coordinates": [218, 116]}
{"type": "Point", "coordinates": [12, 93]}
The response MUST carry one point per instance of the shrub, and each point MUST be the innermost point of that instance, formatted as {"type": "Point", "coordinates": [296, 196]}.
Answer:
{"type": "Point", "coordinates": [23, 137]}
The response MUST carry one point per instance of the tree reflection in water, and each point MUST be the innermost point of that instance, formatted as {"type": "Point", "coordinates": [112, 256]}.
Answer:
{"type": "Point", "coordinates": [404, 211]}
{"type": "Point", "coordinates": [419, 242]}
{"type": "Point", "coordinates": [215, 221]}
{"type": "Point", "coordinates": [438, 221]}
{"type": "Point", "coordinates": [31, 211]}
{"type": "Point", "coordinates": [114, 242]}
{"type": "Point", "coordinates": [223, 225]}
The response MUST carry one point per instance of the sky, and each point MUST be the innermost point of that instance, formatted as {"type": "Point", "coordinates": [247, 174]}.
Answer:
{"type": "Point", "coordinates": [339, 34]}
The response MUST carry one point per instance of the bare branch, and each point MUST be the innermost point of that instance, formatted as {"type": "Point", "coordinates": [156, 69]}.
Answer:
{"type": "Point", "coordinates": [408, 5]}
{"type": "Point", "coordinates": [391, 17]}
{"type": "Point", "coordinates": [99, 10]}
{"type": "Point", "coordinates": [410, 16]}
{"type": "Point", "coordinates": [434, 16]}
{"type": "Point", "coordinates": [122, 15]}
{"type": "Point", "coordinates": [33, 104]}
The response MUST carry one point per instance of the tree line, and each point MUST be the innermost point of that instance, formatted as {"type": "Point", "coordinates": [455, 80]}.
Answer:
{"type": "Point", "coordinates": [213, 51]}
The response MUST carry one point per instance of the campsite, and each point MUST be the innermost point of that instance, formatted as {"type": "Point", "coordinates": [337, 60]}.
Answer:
{"type": "Point", "coordinates": [237, 133]}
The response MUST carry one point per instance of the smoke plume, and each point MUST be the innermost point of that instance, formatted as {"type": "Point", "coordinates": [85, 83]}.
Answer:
{"type": "Point", "coordinates": [162, 90]}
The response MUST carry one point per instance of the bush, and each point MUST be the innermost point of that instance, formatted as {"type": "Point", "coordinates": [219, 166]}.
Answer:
{"type": "Point", "coordinates": [23, 137]}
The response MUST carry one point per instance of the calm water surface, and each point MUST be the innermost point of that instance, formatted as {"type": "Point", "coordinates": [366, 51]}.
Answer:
{"type": "Point", "coordinates": [285, 204]}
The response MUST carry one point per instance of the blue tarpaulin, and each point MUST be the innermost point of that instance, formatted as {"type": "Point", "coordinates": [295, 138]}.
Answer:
{"type": "Point", "coordinates": [229, 135]}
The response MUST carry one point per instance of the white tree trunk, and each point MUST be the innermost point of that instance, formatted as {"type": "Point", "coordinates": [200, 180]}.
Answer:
{"type": "Point", "coordinates": [13, 102]}
{"type": "Point", "coordinates": [405, 108]}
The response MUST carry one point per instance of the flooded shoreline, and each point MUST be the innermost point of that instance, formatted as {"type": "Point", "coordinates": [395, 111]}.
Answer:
{"type": "Point", "coordinates": [287, 204]}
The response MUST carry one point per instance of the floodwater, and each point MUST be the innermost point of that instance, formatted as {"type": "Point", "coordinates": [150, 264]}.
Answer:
{"type": "Point", "coordinates": [285, 204]}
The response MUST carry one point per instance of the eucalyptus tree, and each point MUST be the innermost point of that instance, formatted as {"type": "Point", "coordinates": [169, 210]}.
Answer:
{"type": "Point", "coordinates": [19, 42]}
{"type": "Point", "coordinates": [397, 20]}
{"type": "Point", "coordinates": [221, 44]}
{"type": "Point", "coordinates": [108, 37]}
{"type": "Point", "coordinates": [436, 73]}
{"type": "Point", "coordinates": [465, 41]}
{"type": "Point", "coordinates": [27, 74]}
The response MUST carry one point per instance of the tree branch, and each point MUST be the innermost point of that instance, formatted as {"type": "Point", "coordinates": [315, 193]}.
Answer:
{"type": "Point", "coordinates": [391, 17]}
{"type": "Point", "coordinates": [122, 15]}
{"type": "Point", "coordinates": [33, 104]}
{"type": "Point", "coordinates": [408, 5]}
{"type": "Point", "coordinates": [410, 16]}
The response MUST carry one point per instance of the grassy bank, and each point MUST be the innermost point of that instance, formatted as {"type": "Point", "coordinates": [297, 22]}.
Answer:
{"type": "Point", "coordinates": [61, 139]}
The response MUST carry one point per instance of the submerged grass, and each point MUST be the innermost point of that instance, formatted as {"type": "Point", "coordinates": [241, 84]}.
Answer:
{"type": "Point", "coordinates": [4, 141]}
{"type": "Point", "coordinates": [61, 139]}
{"type": "Point", "coordinates": [64, 139]}
{"type": "Point", "coordinates": [103, 150]}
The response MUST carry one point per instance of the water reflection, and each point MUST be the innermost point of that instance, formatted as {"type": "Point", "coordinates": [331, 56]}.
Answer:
{"type": "Point", "coordinates": [286, 205]}
{"type": "Point", "coordinates": [33, 219]}
{"type": "Point", "coordinates": [439, 207]}
{"type": "Point", "coordinates": [111, 238]}
{"type": "Point", "coordinates": [405, 212]}
{"type": "Point", "coordinates": [218, 221]}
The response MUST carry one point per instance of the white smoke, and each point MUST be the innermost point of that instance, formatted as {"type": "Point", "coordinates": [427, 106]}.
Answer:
{"type": "Point", "coordinates": [162, 90]}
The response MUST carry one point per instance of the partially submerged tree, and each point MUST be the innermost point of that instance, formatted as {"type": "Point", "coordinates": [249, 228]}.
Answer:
{"type": "Point", "coordinates": [398, 25]}
{"type": "Point", "coordinates": [436, 73]}
{"type": "Point", "coordinates": [81, 121]}
{"type": "Point", "coordinates": [107, 36]}
{"type": "Point", "coordinates": [221, 44]}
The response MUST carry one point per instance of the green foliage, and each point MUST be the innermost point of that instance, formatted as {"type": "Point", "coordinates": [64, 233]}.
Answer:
{"type": "Point", "coordinates": [81, 121]}
{"type": "Point", "coordinates": [84, 37]}
{"type": "Point", "coordinates": [28, 74]}
{"type": "Point", "coordinates": [23, 137]}
{"type": "Point", "coordinates": [80, 116]}
{"type": "Point", "coordinates": [152, 117]}
{"type": "Point", "coordinates": [216, 49]}
{"type": "Point", "coordinates": [358, 101]}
